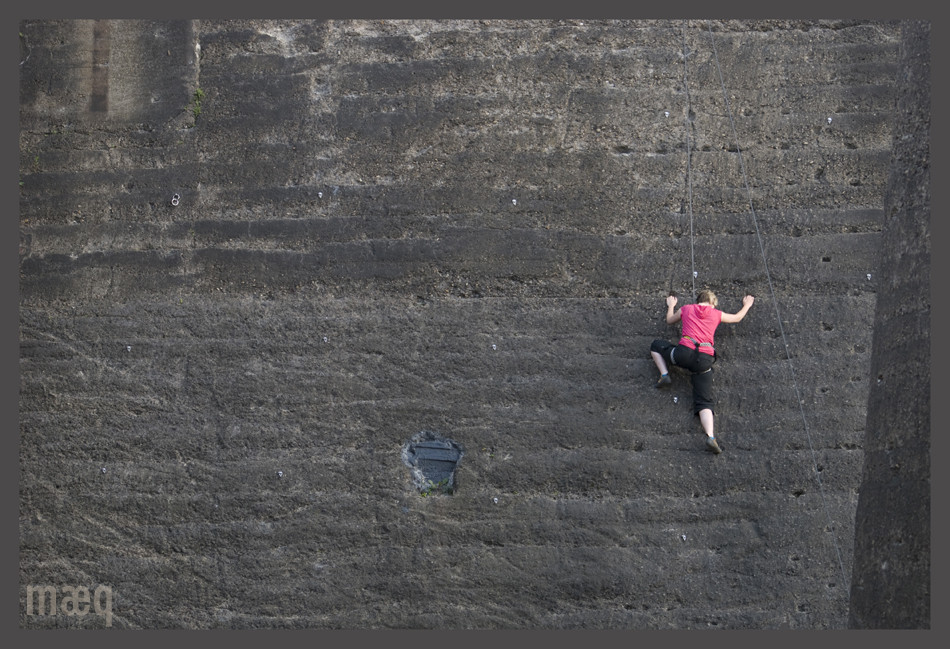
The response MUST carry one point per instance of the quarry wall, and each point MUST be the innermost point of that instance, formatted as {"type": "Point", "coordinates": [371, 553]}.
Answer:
{"type": "Point", "coordinates": [257, 258]}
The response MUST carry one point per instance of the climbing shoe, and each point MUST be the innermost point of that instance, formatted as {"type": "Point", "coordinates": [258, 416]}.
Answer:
{"type": "Point", "coordinates": [712, 446]}
{"type": "Point", "coordinates": [664, 381]}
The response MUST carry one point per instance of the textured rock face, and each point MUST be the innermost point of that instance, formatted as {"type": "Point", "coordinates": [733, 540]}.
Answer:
{"type": "Point", "coordinates": [463, 227]}
{"type": "Point", "coordinates": [891, 584]}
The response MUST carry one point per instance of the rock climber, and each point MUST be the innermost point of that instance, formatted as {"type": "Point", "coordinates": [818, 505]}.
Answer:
{"type": "Point", "coordinates": [695, 352]}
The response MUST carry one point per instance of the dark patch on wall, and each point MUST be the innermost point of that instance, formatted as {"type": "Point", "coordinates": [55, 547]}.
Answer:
{"type": "Point", "coordinates": [101, 47]}
{"type": "Point", "coordinates": [432, 460]}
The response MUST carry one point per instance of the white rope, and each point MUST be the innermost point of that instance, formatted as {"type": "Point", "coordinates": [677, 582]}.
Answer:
{"type": "Point", "coordinates": [778, 315]}
{"type": "Point", "coordinates": [689, 170]}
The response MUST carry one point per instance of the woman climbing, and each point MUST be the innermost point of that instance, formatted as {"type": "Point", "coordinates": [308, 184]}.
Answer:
{"type": "Point", "coordinates": [695, 352]}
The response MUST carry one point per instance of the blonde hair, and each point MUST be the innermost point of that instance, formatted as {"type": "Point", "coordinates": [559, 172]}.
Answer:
{"type": "Point", "coordinates": [707, 296]}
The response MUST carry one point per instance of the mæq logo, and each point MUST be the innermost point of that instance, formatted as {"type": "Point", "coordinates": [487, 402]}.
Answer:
{"type": "Point", "coordinates": [75, 600]}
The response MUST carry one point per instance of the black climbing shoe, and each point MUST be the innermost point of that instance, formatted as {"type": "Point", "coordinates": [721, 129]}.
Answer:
{"type": "Point", "coordinates": [712, 446]}
{"type": "Point", "coordinates": [664, 381]}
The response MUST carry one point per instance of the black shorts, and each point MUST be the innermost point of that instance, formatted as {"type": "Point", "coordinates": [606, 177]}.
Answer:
{"type": "Point", "coordinates": [697, 363]}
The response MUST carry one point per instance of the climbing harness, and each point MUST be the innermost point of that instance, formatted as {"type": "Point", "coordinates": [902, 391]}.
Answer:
{"type": "Point", "coordinates": [695, 354]}
{"type": "Point", "coordinates": [697, 343]}
{"type": "Point", "coordinates": [695, 351]}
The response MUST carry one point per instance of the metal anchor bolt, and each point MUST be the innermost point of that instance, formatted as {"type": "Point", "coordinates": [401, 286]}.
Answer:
{"type": "Point", "coordinates": [280, 474]}
{"type": "Point", "coordinates": [514, 201]}
{"type": "Point", "coordinates": [175, 199]}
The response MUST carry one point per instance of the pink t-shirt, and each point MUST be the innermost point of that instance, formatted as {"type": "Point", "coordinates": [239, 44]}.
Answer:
{"type": "Point", "coordinates": [699, 323]}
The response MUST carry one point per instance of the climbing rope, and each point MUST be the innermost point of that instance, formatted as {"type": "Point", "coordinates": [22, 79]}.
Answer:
{"type": "Point", "coordinates": [689, 170]}
{"type": "Point", "coordinates": [778, 315]}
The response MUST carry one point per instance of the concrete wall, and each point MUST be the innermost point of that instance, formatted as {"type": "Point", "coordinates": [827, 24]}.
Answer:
{"type": "Point", "coordinates": [463, 227]}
